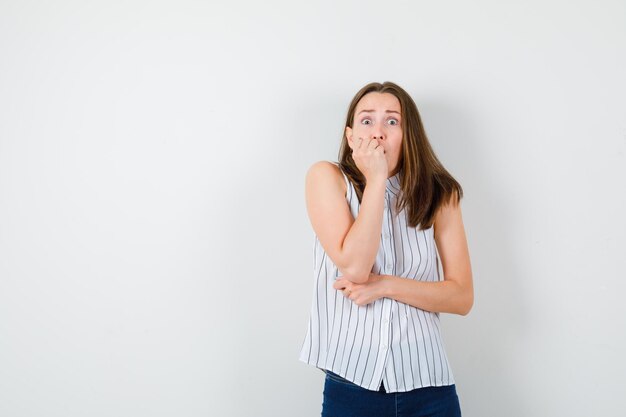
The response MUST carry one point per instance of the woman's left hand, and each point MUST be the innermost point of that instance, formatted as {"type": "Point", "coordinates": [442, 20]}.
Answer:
{"type": "Point", "coordinates": [361, 294]}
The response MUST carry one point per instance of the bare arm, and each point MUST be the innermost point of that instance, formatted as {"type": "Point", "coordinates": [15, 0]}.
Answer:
{"type": "Point", "coordinates": [442, 296]}
{"type": "Point", "coordinates": [351, 244]}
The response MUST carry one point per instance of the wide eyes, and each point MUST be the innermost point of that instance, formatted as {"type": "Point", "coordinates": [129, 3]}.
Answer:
{"type": "Point", "coordinates": [392, 121]}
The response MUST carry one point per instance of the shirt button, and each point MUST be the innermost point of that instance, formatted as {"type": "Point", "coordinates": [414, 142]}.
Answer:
{"type": "Point", "coordinates": [385, 321]}
{"type": "Point", "coordinates": [386, 235]}
{"type": "Point", "coordinates": [389, 266]}
{"type": "Point", "coordinates": [384, 346]}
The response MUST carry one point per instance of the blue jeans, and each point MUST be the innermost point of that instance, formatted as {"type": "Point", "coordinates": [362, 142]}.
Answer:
{"type": "Point", "coordinates": [342, 398]}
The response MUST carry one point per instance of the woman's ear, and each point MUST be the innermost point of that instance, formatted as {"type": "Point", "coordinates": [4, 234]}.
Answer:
{"type": "Point", "coordinates": [349, 137]}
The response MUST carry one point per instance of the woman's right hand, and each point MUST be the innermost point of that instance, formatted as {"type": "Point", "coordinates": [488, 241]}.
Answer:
{"type": "Point", "coordinates": [369, 157]}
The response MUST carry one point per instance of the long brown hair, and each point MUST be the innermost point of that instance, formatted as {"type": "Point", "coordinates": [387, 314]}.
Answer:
{"type": "Point", "coordinates": [425, 184]}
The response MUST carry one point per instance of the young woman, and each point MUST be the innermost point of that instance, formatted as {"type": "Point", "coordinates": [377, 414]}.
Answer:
{"type": "Point", "coordinates": [383, 216]}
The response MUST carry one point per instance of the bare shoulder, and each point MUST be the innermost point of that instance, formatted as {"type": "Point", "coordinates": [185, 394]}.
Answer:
{"type": "Point", "coordinates": [325, 177]}
{"type": "Point", "coordinates": [449, 212]}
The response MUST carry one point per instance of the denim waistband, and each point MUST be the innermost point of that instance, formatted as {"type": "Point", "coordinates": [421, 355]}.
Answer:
{"type": "Point", "coordinates": [381, 389]}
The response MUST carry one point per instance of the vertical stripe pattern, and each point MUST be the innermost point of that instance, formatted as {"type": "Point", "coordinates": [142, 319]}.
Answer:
{"type": "Point", "coordinates": [384, 341]}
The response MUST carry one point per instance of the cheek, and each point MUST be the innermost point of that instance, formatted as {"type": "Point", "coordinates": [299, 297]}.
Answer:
{"type": "Point", "coordinates": [357, 130]}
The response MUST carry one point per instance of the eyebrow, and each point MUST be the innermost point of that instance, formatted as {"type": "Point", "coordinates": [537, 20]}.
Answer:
{"type": "Point", "coordinates": [386, 111]}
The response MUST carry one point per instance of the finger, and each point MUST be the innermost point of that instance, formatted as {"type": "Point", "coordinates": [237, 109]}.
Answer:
{"type": "Point", "coordinates": [362, 143]}
{"type": "Point", "coordinates": [373, 144]}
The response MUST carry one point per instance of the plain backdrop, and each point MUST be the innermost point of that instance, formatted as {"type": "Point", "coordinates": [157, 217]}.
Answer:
{"type": "Point", "coordinates": [155, 251]}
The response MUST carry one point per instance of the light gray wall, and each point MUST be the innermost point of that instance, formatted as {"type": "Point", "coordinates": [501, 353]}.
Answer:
{"type": "Point", "coordinates": [155, 252]}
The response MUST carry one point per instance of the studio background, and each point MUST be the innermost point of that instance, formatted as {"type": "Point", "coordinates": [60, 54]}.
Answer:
{"type": "Point", "coordinates": [155, 251]}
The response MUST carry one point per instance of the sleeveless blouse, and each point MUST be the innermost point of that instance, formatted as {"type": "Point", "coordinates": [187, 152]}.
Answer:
{"type": "Point", "coordinates": [385, 340]}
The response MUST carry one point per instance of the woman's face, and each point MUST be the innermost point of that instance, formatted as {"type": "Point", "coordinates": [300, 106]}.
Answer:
{"type": "Point", "coordinates": [378, 116]}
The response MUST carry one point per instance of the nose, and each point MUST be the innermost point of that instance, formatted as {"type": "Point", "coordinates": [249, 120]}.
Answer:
{"type": "Point", "coordinates": [377, 133]}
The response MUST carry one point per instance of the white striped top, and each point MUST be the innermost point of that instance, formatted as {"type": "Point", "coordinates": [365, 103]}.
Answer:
{"type": "Point", "coordinates": [386, 340]}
